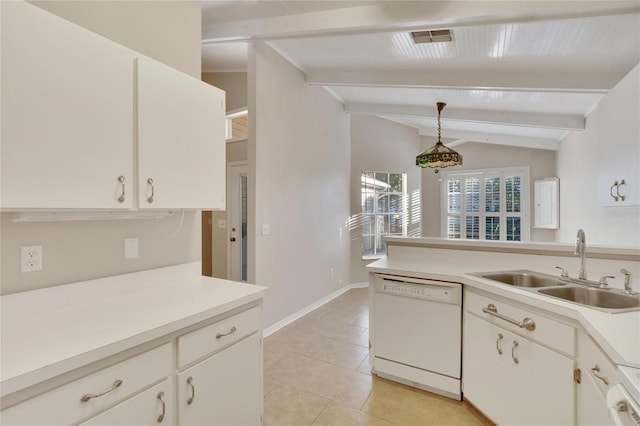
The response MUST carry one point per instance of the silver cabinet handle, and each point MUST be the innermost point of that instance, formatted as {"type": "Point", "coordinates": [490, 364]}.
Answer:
{"type": "Point", "coordinates": [527, 323]}
{"type": "Point", "coordinates": [193, 390]}
{"type": "Point", "coordinates": [161, 416]}
{"type": "Point", "coordinates": [233, 330]}
{"type": "Point", "coordinates": [513, 349]}
{"type": "Point", "coordinates": [121, 197]}
{"type": "Point", "coordinates": [615, 185]}
{"type": "Point", "coordinates": [500, 337]}
{"type": "Point", "coordinates": [150, 182]}
{"type": "Point", "coordinates": [620, 185]}
{"type": "Point", "coordinates": [595, 371]}
{"type": "Point", "coordinates": [87, 396]}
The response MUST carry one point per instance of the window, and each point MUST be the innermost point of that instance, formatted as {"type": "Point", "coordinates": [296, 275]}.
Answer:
{"type": "Point", "coordinates": [491, 204]}
{"type": "Point", "coordinates": [237, 125]}
{"type": "Point", "coordinates": [384, 207]}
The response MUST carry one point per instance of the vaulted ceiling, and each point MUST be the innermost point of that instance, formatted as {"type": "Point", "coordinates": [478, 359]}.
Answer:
{"type": "Point", "coordinates": [521, 73]}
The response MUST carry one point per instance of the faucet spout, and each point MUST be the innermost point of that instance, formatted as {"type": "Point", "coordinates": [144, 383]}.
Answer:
{"type": "Point", "coordinates": [581, 250]}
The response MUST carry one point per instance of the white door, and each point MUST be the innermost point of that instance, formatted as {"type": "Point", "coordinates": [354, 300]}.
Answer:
{"type": "Point", "coordinates": [237, 221]}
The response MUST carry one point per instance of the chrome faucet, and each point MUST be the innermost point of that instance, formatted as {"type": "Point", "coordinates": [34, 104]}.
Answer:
{"type": "Point", "coordinates": [581, 250]}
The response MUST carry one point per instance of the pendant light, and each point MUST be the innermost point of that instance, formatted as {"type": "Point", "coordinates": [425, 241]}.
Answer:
{"type": "Point", "coordinates": [439, 156]}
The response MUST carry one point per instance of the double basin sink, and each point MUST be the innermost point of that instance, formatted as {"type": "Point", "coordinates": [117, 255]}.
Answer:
{"type": "Point", "coordinates": [605, 299]}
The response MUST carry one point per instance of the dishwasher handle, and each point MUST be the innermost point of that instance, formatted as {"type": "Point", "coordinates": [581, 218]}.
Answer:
{"type": "Point", "coordinates": [526, 323]}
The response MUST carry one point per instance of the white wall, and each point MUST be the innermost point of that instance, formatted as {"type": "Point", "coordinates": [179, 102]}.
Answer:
{"type": "Point", "coordinates": [299, 185]}
{"type": "Point", "coordinates": [578, 171]}
{"type": "Point", "coordinates": [74, 251]}
{"type": "Point", "coordinates": [381, 145]}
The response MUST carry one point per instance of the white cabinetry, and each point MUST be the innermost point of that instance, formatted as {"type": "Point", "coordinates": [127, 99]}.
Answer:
{"type": "Point", "coordinates": [618, 136]}
{"type": "Point", "coordinates": [67, 113]}
{"type": "Point", "coordinates": [151, 407]}
{"type": "Point", "coordinates": [596, 375]}
{"type": "Point", "coordinates": [508, 371]}
{"type": "Point", "coordinates": [180, 140]}
{"type": "Point", "coordinates": [547, 203]}
{"type": "Point", "coordinates": [71, 138]}
{"type": "Point", "coordinates": [225, 389]}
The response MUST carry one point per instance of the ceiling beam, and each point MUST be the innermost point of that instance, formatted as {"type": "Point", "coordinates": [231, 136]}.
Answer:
{"type": "Point", "coordinates": [588, 82]}
{"type": "Point", "coordinates": [409, 15]}
{"type": "Point", "coordinates": [512, 118]}
{"type": "Point", "coordinates": [498, 139]}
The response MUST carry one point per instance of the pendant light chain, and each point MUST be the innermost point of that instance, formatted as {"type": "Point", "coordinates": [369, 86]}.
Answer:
{"type": "Point", "coordinates": [439, 128]}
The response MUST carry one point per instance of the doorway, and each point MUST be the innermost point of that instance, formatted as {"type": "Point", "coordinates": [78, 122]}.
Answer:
{"type": "Point", "coordinates": [237, 221]}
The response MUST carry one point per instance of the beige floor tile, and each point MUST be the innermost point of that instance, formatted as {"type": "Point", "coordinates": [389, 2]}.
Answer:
{"type": "Point", "coordinates": [349, 387]}
{"type": "Point", "coordinates": [401, 404]}
{"type": "Point", "coordinates": [336, 414]}
{"type": "Point", "coordinates": [365, 366]}
{"type": "Point", "coordinates": [287, 405]}
{"type": "Point", "coordinates": [344, 332]}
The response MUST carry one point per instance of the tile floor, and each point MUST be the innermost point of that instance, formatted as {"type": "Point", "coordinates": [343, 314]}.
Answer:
{"type": "Point", "coordinates": [317, 373]}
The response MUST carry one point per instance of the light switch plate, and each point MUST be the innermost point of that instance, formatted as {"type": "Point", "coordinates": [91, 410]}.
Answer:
{"type": "Point", "coordinates": [130, 248]}
{"type": "Point", "coordinates": [266, 229]}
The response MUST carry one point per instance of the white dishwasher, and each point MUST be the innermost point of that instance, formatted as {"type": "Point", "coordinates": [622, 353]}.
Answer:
{"type": "Point", "coordinates": [416, 332]}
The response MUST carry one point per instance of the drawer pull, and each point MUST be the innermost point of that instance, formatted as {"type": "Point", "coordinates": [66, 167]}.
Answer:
{"type": "Point", "coordinates": [513, 349]}
{"type": "Point", "coordinates": [87, 396]}
{"type": "Point", "coordinates": [193, 390]}
{"type": "Point", "coordinates": [233, 330]}
{"type": "Point", "coordinates": [150, 182]}
{"type": "Point", "coordinates": [498, 348]}
{"type": "Point", "coordinates": [121, 197]}
{"type": "Point", "coordinates": [595, 370]}
{"type": "Point", "coordinates": [525, 323]}
{"type": "Point", "coordinates": [161, 416]}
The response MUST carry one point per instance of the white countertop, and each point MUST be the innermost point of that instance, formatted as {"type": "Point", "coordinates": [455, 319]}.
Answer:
{"type": "Point", "coordinates": [51, 331]}
{"type": "Point", "coordinates": [618, 334]}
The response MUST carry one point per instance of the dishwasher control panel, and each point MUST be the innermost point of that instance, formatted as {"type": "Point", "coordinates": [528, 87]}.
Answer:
{"type": "Point", "coordinates": [437, 292]}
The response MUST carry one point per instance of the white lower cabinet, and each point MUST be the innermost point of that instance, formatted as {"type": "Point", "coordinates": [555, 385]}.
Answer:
{"type": "Point", "coordinates": [513, 379]}
{"type": "Point", "coordinates": [151, 407]}
{"type": "Point", "coordinates": [224, 389]}
{"type": "Point", "coordinates": [216, 380]}
{"type": "Point", "coordinates": [596, 375]}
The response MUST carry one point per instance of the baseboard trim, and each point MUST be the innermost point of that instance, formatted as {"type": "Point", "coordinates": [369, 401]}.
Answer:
{"type": "Point", "coordinates": [315, 305]}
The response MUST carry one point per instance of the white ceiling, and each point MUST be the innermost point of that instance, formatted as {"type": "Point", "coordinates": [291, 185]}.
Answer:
{"type": "Point", "coordinates": [516, 73]}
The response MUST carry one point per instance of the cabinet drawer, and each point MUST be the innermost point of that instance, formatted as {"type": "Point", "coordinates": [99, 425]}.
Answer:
{"type": "Point", "coordinates": [208, 339]}
{"type": "Point", "coordinates": [547, 331]}
{"type": "Point", "coordinates": [151, 407]}
{"type": "Point", "coordinates": [63, 405]}
{"type": "Point", "coordinates": [594, 362]}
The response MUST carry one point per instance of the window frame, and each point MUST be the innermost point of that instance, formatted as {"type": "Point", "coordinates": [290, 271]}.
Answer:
{"type": "Point", "coordinates": [404, 215]}
{"type": "Point", "coordinates": [482, 174]}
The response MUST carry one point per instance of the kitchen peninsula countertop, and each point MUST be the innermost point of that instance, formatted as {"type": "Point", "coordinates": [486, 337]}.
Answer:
{"type": "Point", "coordinates": [51, 331]}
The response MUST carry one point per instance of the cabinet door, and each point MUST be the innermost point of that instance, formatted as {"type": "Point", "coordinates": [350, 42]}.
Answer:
{"type": "Point", "coordinates": [591, 405]}
{"type": "Point", "coordinates": [542, 390]}
{"type": "Point", "coordinates": [513, 392]}
{"type": "Point", "coordinates": [226, 389]}
{"type": "Point", "coordinates": [181, 140]}
{"type": "Point", "coordinates": [618, 134]}
{"type": "Point", "coordinates": [484, 377]}
{"type": "Point", "coordinates": [151, 407]}
{"type": "Point", "coordinates": [67, 114]}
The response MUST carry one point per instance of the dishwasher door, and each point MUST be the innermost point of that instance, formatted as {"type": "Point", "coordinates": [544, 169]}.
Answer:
{"type": "Point", "coordinates": [418, 323]}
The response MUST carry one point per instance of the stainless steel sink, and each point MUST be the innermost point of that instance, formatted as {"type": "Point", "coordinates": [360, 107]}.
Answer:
{"type": "Point", "coordinates": [596, 297]}
{"type": "Point", "coordinates": [522, 278]}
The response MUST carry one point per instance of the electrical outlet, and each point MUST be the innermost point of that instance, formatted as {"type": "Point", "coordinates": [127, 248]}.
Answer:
{"type": "Point", "coordinates": [131, 248]}
{"type": "Point", "coordinates": [30, 258]}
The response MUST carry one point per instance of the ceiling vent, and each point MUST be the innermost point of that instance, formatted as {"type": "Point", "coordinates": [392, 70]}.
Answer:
{"type": "Point", "coordinates": [434, 36]}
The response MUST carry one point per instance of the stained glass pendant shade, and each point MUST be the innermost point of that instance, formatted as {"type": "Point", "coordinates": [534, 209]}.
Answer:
{"type": "Point", "coordinates": [439, 156]}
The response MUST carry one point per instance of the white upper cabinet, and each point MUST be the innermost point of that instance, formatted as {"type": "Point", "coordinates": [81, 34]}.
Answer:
{"type": "Point", "coordinates": [181, 136]}
{"type": "Point", "coordinates": [67, 114]}
{"type": "Point", "coordinates": [77, 122]}
{"type": "Point", "coordinates": [618, 135]}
